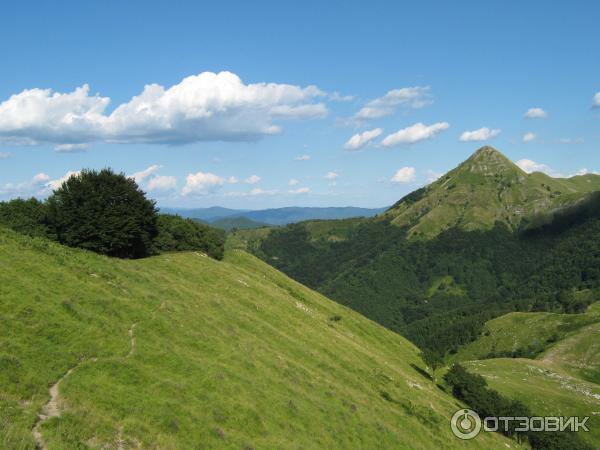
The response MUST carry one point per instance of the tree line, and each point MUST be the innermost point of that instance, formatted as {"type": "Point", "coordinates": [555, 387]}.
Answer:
{"type": "Point", "coordinates": [108, 213]}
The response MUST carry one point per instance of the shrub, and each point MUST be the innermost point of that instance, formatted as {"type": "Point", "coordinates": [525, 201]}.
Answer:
{"type": "Point", "coordinates": [25, 216]}
{"type": "Point", "coordinates": [104, 212]}
{"type": "Point", "coordinates": [178, 234]}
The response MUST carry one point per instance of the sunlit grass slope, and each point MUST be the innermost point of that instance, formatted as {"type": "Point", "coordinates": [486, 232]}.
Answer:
{"type": "Point", "coordinates": [182, 351]}
{"type": "Point", "coordinates": [563, 379]}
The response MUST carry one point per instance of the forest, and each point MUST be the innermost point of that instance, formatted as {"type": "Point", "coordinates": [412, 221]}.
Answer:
{"type": "Point", "coordinates": [440, 292]}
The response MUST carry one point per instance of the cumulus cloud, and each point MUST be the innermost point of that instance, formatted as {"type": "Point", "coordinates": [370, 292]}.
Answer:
{"type": "Point", "coordinates": [596, 100]}
{"type": "Point", "coordinates": [411, 97]}
{"type": "Point", "coordinates": [359, 140]}
{"type": "Point", "coordinates": [415, 133]}
{"type": "Point", "coordinates": [530, 166]}
{"type": "Point", "coordinates": [232, 180]}
{"type": "Point", "coordinates": [404, 175]}
{"type": "Point", "coordinates": [55, 184]}
{"type": "Point", "coordinates": [304, 157]}
{"type": "Point", "coordinates": [162, 183]}
{"type": "Point", "coordinates": [482, 134]}
{"type": "Point", "coordinates": [302, 190]}
{"type": "Point", "coordinates": [432, 175]}
{"type": "Point", "coordinates": [253, 179]}
{"type": "Point", "coordinates": [40, 178]}
{"type": "Point", "coordinates": [293, 182]}
{"type": "Point", "coordinates": [201, 183]}
{"type": "Point", "coordinates": [536, 113]}
{"type": "Point", "coordinates": [204, 107]}
{"type": "Point", "coordinates": [331, 176]}
{"type": "Point", "coordinates": [528, 137]}
{"type": "Point", "coordinates": [140, 176]}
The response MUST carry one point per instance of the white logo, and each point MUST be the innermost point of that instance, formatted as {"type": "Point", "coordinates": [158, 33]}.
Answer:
{"type": "Point", "coordinates": [465, 424]}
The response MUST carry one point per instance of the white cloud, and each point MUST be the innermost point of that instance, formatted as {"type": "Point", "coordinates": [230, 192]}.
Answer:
{"type": "Point", "coordinates": [4, 155]}
{"type": "Point", "coordinates": [596, 100]}
{"type": "Point", "coordinates": [55, 184]}
{"type": "Point", "coordinates": [482, 134]}
{"type": "Point", "coordinates": [528, 137]}
{"type": "Point", "coordinates": [337, 97]}
{"type": "Point", "coordinates": [201, 183]}
{"type": "Point", "coordinates": [302, 190]}
{"type": "Point", "coordinates": [40, 178]}
{"type": "Point", "coordinates": [71, 148]}
{"type": "Point", "coordinates": [432, 175]}
{"type": "Point", "coordinates": [331, 176]}
{"type": "Point", "coordinates": [536, 113]}
{"type": "Point", "coordinates": [578, 140]}
{"type": "Point", "coordinates": [232, 180]}
{"type": "Point", "coordinates": [140, 176]}
{"type": "Point", "coordinates": [293, 182]}
{"type": "Point", "coordinates": [253, 179]}
{"type": "Point", "coordinates": [162, 183]}
{"type": "Point", "coordinates": [415, 133]}
{"type": "Point", "coordinates": [359, 140]}
{"type": "Point", "coordinates": [205, 107]}
{"type": "Point", "coordinates": [412, 97]}
{"type": "Point", "coordinates": [530, 166]}
{"type": "Point", "coordinates": [404, 175]}
{"type": "Point", "coordinates": [302, 158]}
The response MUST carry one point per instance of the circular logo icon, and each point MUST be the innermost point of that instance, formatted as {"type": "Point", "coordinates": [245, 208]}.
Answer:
{"type": "Point", "coordinates": [465, 424]}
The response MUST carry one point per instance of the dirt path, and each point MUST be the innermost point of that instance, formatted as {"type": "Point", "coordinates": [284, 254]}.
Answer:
{"type": "Point", "coordinates": [52, 407]}
{"type": "Point", "coordinates": [131, 340]}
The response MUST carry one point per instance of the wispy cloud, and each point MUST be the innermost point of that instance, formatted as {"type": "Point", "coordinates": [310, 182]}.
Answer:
{"type": "Point", "coordinates": [359, 140]}
{"type": "Point", "coordinates": [482, 134]}
{"type": "Point", "coordinates": [415, 133]}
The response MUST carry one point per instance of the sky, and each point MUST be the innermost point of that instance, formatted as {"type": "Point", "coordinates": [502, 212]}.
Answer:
{"type": "Point", "coordinates": [268, 104]}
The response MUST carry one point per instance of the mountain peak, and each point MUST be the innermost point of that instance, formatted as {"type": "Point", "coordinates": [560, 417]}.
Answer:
{"type": "Point", "coordinates": [489, 161]}
{"type": "Point", "coordinates": [485, 189]}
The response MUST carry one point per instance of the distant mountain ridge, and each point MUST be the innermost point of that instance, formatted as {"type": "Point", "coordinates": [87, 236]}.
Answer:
{"type": "Point", "coordinates": [485, 189]}
{"type": "Point", "coordinates": [276, 216]}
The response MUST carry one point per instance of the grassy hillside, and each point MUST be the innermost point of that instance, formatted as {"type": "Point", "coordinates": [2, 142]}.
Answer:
{"type": "Point", "coordinates": [561, 377]}
{"type": "Point", "coordinates": [182, 351]}
{"type": "Point", "coordinates": [523, 334]}
{"type": "Point", "coordinates": [485, 189]}
{"type": "Point", "coordinates": [545, 388]}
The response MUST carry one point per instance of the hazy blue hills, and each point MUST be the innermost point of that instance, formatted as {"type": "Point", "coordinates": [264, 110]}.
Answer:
{"type": "Point", "coordinates": [275, 216]}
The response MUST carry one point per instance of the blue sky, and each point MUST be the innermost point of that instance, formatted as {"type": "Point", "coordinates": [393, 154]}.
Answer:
{"type": "Point", "coordinates": [255, 104]}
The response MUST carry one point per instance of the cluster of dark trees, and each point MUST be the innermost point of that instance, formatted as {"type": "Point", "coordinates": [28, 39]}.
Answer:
{"type": "Point", "coordinates": [473, 390]}
{"type": "Point", "coordinates": [380, 273]}
{"type": "Point", "coordinates": [108, 213]}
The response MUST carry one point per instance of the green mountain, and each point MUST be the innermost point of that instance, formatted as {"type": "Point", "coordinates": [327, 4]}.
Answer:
{"type": "Point", "coordinates": [237, 223]}
{"type": "Point", "coordinates": [182, 351]}
{"type": "Point", "coordinates": [485, 189]}
{"type": "Point", "coordinates": [440, 291]}
{"type": "Point", "coordinates": [275, 216]}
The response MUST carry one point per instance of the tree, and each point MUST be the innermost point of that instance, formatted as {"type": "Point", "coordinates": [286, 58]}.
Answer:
{"type": "Point", "coordinates": [104, 212]}
{"type": "Point", "coordinates": [178, 234]}
{"type": "Point", "coordinates": [432, 360]}
{"type": "Point", "coordinates": [25, 216]}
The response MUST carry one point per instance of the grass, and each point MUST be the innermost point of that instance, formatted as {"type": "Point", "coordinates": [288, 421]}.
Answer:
{"type": "Point", "coordinates": [519, 331]}
{"type": "Point", "coordinates": [229, 354]}
{"type": "Point", "coordinates": [562, 379]}
{"type": "Point", "coordinates": [545, 388]}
